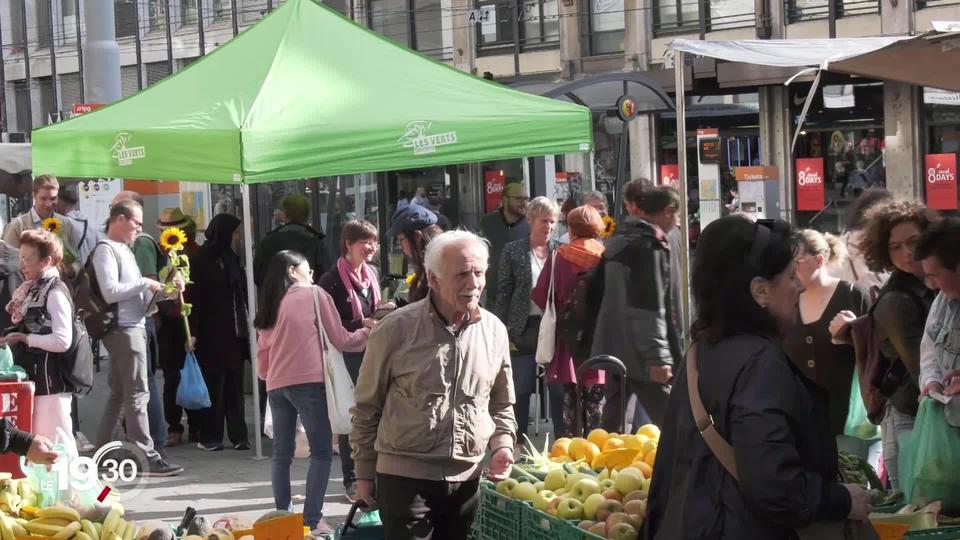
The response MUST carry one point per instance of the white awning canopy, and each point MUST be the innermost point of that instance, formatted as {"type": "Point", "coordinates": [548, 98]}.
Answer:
{"type": "Point", "coordinates": [925, 60]}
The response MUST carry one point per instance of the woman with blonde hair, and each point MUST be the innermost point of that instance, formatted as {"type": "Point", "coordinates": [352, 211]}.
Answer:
{"type": "Point", "coordinates": [809, 344]}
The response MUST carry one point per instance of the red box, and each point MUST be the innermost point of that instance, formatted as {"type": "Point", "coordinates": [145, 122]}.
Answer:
{"type": "Point", "coordinates": [16, 406]}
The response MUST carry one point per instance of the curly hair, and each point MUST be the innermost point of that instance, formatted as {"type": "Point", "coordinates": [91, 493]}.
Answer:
{"type": "Point", "coordinates": [881, 220]}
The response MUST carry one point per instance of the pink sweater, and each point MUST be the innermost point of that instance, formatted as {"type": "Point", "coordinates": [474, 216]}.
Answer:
{"type": "Point", "coordinates": [290, 353]}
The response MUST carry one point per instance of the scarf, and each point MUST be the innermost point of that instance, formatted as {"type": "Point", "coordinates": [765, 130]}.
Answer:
{"type": "Point", "coordinates": [350, 282]}
{"type": "Point", "coordinates": [582, 253]}
{"type": "Point", "coordinates": [31, 293]}
{"type": "Point", "coordinates": [219, 236]}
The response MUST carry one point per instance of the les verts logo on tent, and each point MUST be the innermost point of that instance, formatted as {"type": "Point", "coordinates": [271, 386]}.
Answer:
{"type": "Point", "coordinates": [416, 135]}
{"type": "Point", "coordinates": [123, 152]}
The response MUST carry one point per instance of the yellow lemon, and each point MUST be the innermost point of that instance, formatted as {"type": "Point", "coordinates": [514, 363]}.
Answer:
{"type": "Point", "coordinates": [598, 437]}
{"type": "Point", "coordinates": [643, 467]}
{"type": "Point", "coordinates": [561, 447]}
{"type": "Point", "coordinates": [577, 447]}
{"type": "Point", "coordinates": [633, 442]}
{"type": "Point", "coordinates": [590, 453]}
{"type": "Point", "coordinates": [613, 443]}
{"type": "Point", "coordinates": [650, 458]}
{"type": "Point", "coordinates": [648, 447]}
{"type": "Point", "coordinates": [650, 430]}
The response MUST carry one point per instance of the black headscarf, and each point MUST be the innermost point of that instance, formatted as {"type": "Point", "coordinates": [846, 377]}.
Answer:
{"type": "Point", "coordinates": [219, 242]}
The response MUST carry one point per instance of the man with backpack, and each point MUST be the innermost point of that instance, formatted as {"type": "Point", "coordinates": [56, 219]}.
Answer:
{"type": "Point", "coordinates": [636, 322]}
{"type": "Point", "coordinates": [84, 232]}
{"type": "Point", "coordinates": [120, 282]}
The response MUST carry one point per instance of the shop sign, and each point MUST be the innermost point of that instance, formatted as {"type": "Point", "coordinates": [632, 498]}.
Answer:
{"type": "Point", "coordinates": [810, 186]}
{"type": "Point", "coordinates": [493, 182]}
{"type": "Point", "coordinates": [670, 175]}
{"type": "Point", "coordinates": [940, 174]}
{"type": "Point", "coordinates": [763, 172]}
{"type": "Point", "coordinates": [84, 108]}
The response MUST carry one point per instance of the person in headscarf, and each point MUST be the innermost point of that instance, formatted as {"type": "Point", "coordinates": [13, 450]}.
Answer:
{"type": "Point", "coordinates": [218, 321]}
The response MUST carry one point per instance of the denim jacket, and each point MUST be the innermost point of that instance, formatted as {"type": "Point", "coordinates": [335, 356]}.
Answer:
{"type": "Point", "coordinates": [940, 348]}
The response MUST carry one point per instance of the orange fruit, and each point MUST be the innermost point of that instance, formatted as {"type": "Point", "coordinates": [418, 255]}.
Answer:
{"type": "Point", "coordinates": [648, 447]}
{"type": "Point", "coordinates": [633, 442]}
{"type": "Point", "coordinates": [650, 430]}
{"type": "Point", "coordinates": [576, 448]}
{"type": "Point", "coordinates": [598, 437]}
{"type": "Point", "coordinates": [644, 467]}
{"type": "Point", "coordinates": [591, 451]}
{"type": "Point", "coordinates": [613, 443]}
{"type": "Point", "coordinates": [650, 458]}
{"type": "Point", "coordinates": [561, 447]}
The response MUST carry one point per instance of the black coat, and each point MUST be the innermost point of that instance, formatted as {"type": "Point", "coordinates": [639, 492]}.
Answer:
{"type": "Point", "coordinates": [786, 457]}
{"type": "Point", "coordinates": [303, 239]}
{"type": "Point", "coordinates": [221, 338]}
{"type": "Point", "coordinates": [331, 282]}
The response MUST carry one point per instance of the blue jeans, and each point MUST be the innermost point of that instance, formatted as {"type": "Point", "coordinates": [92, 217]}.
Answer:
{"type": "Point", "coordinates": [309, 401]}
{"type": "Point", "coordinates": [158, 428]}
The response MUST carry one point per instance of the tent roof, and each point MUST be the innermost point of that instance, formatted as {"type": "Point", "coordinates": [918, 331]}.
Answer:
{"type": "Point", "coordinates": [923, 60]}
{"type": "Point", "coordinates": [305, 93]}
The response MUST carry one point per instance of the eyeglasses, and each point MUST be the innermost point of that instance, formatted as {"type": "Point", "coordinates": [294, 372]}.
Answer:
{"type": "Point", "coordinates": [139, 224]}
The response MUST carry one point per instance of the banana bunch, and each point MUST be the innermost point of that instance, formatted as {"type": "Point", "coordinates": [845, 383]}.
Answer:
{"type": "Point", "coordinates": [15, 494]}
{"type": "Point", "coordinates": [64, 523]}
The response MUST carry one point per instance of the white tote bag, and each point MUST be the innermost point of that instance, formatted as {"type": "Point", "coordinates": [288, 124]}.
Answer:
{"type": "Point", "coordinates": [339, 385]}
{"type": "Point", "coordinates": [547, 338]}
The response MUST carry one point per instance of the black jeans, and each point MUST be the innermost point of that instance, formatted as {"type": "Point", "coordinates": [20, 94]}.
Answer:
{"type": "Point", "coordinates": [226, 403]}
{"type": "Point", "coordinates": [352, 361]}
{"type": "Point", "coordinates": [651, 403]}
{"type": "Point", "coordinates": [413, 509]}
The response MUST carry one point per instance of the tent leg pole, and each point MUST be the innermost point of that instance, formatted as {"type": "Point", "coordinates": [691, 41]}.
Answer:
{"type": "Point", "coordinates": [251, 310]}
{"type": "Point", "coordinates": [680, 102]}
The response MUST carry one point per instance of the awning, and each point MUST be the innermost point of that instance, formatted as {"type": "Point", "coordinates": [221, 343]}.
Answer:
{"type": "Point", "coordinates": [601, 92]}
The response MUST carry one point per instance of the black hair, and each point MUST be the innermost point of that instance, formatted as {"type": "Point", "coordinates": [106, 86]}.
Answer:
{"type": "Point", "coordinates": [857, 211]}
{"type": "Point", "coordinates": [941, 240]}
{"type": "Point", "coordinates": [657, 199]}
{"type": "Point", "coordinates": [731, 252]}
{"type": "Point", "coordinates": [276, 283]}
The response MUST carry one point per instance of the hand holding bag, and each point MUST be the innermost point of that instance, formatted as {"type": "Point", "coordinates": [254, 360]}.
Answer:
{"type": "Point", "coordinates": [192, 393]}
{"type": "Point", "coordinates": [547, 338]}
{"type": "Point", "coordinates": [723, 451]}
{"type": "Point", "coordinates": [337, 381]}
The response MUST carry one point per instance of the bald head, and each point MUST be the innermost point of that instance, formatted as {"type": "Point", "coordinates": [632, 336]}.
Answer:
{"type": "Point", "coordinates": [128, 196]}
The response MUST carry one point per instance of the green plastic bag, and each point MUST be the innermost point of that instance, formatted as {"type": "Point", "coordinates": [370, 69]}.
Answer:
{"type": "Point", "coordinates": [858, 425]}
{"type": "Point", "coordinates": [930, 459]}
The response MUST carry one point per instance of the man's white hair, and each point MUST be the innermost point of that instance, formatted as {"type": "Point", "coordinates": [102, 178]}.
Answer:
{"type": "Point", "coordinates": [433, 258]}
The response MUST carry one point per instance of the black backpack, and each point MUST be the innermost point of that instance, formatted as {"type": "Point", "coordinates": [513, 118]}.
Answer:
{"type": "Point", "coordinates": [577, 317]}
{"type": "Point", "coordinates": [99, 316]}
{"type": "Point", "coordinates": [76, 363]}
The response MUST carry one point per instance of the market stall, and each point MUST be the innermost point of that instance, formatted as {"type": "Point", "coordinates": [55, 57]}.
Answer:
{"type": "Point", "coordinates": [307, 93]}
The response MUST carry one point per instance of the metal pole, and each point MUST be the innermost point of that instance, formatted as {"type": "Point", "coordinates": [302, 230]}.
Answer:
{"type": "Point", "coordinates": [53, 57]}
{"type": "Point", "coordinates": [76, 20]}
{"type": "Point", "coordinates": [3, 89]}
{"type": "Point", "coordinates": [251, 311]}
{"type": "Point", "coordinates": [169, 32]}
{"type": "Point", "coordinates": [515, 21]}
{"type": "Point", "coordinates": [680, 102]}
{"type": "Point", "coordinates": [102, 76]}
{"type": "Point", "coordinates": [138, 46]}
{"type": "Point", "coordinates": [233, 15]}
{"type": "Point", "coordinates": [202, 38]}
{"type": "Point", "coordinates": [26, 68]}
{"type": "Point", "coordinates": [622, 158]}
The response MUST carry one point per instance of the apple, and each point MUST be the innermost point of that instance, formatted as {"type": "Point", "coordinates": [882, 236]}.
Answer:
{"type": "Point", "coordinates": [613, 495]}
{"type": "Point", "coordinates": [622, 517]}
{"type": "Point", "coordinates": [555, 480]}
{"type": "Point", "coordinates": [622, 531]}
{"type": "Point", "coordinates": [552, 506]}
{"type": "Point", "coordinates": [585, 488]}
{"type": "Point", "coordinates": [625, 483]}
{"type": "Point", "coordinates": [539, 486]}
{"type": "Point", "coordinates": [635, 508]}
{"type": "Point", "coordinates": [632, 470]}
{"type": "Point", "coordinates": [585, 524]}
{"type": "Point", "coordinates": [591, 504]}
{"type": "Point", "coordinates": [604, 475]}
{"type": "Point", "coordinates": [572, 480]}
{"type": "Point", "coordinates": [646, 485]}
{"type": "Point", "coordinates": [570, 508]}
{"type": "Point", "coordinates": [506, 487]}
{"type": "Point", "coordinates": [561, 491]}
{"type": "Point", "coordinates": [599, 529]}
{"type": "Point", "coordinates": [609, 483]}
{"type": "Point", "coordinates": [542, 499]}
{"type": "Point", "coordinates": [637, 495]}
{"type": "Point", "coordinates": [607, 508]}
{"type": "Point", "coordinates": [524, 491]}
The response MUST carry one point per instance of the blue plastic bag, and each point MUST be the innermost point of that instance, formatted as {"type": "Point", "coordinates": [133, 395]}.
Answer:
{"type": "Point", "coordinates": [192, 393]}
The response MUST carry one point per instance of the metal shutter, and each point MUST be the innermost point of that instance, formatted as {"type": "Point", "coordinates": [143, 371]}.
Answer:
{"type": "Point", "coordinates": [128, 80]}
{"type": "Point", "coordinates": [156, 71]}
{"type": "Point", "coordinates": [69, 91]}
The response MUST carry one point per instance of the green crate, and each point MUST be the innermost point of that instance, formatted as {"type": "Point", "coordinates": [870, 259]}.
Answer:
{"type": "Point", "coordinates": [941, 533]}
{"type": "Point", "coordinates": [538, 525]}
{"type": "Point", "coordinates": [499, 515]}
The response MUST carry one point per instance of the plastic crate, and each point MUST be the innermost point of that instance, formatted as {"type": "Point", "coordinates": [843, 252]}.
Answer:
{"type": "Point", "coordinates": [538, 525]}
{"type": "Point", "coordinates": [941, 533]}
{"type": "Point", "coordinates": [499, 516]}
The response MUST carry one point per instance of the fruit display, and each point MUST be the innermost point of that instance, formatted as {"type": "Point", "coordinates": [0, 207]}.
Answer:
{"type": "Point", "coordinates": [599, 482]}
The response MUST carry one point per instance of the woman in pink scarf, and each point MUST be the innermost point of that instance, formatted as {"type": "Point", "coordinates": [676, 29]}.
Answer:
{"type": "Point", "coordinates": [354, 286]}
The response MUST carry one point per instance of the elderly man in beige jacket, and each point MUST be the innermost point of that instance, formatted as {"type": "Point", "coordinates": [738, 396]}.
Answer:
{"type": "Point", "coordinates": [434, 393]}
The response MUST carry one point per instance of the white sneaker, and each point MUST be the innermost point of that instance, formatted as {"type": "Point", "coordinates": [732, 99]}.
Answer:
{"type": "Point", "coordinates": [83, 444]}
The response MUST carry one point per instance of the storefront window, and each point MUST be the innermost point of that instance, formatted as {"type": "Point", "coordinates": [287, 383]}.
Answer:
{"type": "Point", "coordinates": [606, 26]}
{"type": "Point", "coordinates": [942, 115]}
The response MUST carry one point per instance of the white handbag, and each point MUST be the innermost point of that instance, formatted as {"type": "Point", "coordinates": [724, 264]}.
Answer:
{"type": "Point", "coordinates": [547, 338]}
{"type": "Point", "coordinates": [339, 385]}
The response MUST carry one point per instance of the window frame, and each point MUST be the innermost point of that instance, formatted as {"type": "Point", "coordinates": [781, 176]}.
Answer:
{"type": "Point", "coordinates": [501, 46]}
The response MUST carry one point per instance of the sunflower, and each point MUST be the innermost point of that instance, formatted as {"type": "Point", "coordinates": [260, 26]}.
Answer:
{"type": "Point", "coordinates": [53, 225]}
{"type": "Point", "coordinates": [609, 227]}
{"type": "Point", "coordinates": [410, 279]}
{"type": "Point", "coordinates": [172, 239]}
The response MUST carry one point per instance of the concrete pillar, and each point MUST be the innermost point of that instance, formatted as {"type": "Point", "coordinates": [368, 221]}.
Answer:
{"type": "Point", "coordinates": [464, 38]}
{"type": "Point", "coordinates": [571, 48]}
{"type": "Point", "coordinates": [638, 26]}
{"type": "Point", "coordinates": [902, 107]}
{"type": "Point", "coordinates": [776, 131]}
{"type": "Point", "coordinates": [101, 53]}
{"type": "Point", "coordinates": [643, 145]}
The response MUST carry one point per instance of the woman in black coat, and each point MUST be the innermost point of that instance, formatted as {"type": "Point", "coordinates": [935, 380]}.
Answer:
{"type": "Point", "coordinates": [219, 322]}
{"type": "Point", "coordinates": [746, 293]}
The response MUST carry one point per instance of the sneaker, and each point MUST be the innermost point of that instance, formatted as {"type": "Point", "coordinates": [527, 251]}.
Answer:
{"type": "Point", "coordinates": [242, 446]}
{"type": "Point", "coordinates": [161, 468]}
{"type": "Point", "coordinates": [174, 439]}
{"type": "Point", "coordinates": [83, 444]}
{"type": "Point", "coordinates": [210, 447]}
{"type": "Point", "coordinates": [322, 529]}
{"type": "Point", "coordinates": [351, 493]}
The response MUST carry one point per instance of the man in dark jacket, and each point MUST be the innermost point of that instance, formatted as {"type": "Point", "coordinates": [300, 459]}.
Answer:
{"type": "Point", "coordinates": [295, 235]}
{"type": "Point", "coordinates": [637, 321]}
{"type": "Point", "coordinates": [502, 226]}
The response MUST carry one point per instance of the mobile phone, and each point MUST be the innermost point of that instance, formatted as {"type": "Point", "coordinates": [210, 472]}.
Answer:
{"type": "Point", "coordinates": [381, 313]}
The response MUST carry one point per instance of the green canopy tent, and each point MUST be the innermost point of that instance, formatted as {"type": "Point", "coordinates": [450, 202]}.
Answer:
{"type": "Point", "coordinates": [307, 93]}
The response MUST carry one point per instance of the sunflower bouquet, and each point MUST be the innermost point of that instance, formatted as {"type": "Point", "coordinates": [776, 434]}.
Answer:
{"type": "Point", "coordinates": [609, 227]}
{"type": "Point", "coordinates": [172, 241]}
{"type": "Point", "coordinates": [55, 226]}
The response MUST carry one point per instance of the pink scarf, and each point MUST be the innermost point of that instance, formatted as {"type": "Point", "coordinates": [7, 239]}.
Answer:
{"type": "Point", "coordinates": [351, 282]}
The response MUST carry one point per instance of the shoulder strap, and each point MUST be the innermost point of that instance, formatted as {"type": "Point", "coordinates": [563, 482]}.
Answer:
{"type": "Point", "coordinates": [853, 268]}
{"type": "Point", "coordinates": [26, 223]}
{"type": "Point", "coordinates": [316, 308]}
{"type": "Point", "coordinates": [553, 273]}
{"type": "Point", "coordinates": [704, 421]}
